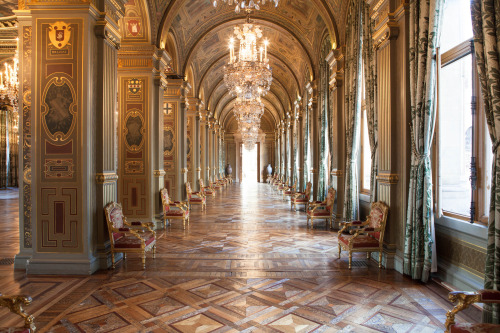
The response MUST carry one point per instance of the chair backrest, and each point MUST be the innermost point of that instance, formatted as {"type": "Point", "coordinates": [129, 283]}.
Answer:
{"type": "Point", "coordinates": [114, 219]}
{"type": "Point", "coordinates": [308, 189]}
{"type": "Point", "coordinates": [165, 200]}
{"type": "Point", "coordinates": [188, 189]}
{"type": "Point", "coordinates": [330, 198]}
{"type": "Point", "coordinates": [378, 218]}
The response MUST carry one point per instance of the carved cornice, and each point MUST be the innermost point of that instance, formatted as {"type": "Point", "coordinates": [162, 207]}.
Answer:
{"type": "Point", "coordinates": [388, 178]}
{"type": "Point", "coordinates": [103, 30]}
{"type": "Point", "coordinates": [159, 173]}
{"type": "Point", "coordinates": [106, 178]}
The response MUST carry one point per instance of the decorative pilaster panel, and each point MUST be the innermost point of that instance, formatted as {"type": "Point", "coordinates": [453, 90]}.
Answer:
{"type": "Point", "coordinates": [134, 143]}
{"type": "Point", "coordinates": [59, 135]}
{"type": "Point", "coordinates": [169, 143]}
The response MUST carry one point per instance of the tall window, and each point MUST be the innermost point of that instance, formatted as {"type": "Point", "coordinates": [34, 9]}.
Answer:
{"type": "Point", "coordinates": [365, 152]}
{"type": "Point", "coordinates": [462, 136]}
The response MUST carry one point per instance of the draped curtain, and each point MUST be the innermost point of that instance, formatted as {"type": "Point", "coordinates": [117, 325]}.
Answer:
{"type": "Point", "coordinates": [352, 106]}
{"type": "Point", "coordinates": [425, 17]}
{"type": "Point", "coordinates": [370, 76]}
{"type": "Point", "coordinates": [324, 93]}
{"type": "Point", "coordinates": [486, 27]}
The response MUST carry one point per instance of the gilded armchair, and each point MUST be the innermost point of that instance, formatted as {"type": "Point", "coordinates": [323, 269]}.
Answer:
{"type": "Point", "coordinates": [128, 237]}
{"type": "Point", "coordinates": [196, 198]}
{"type": "Point", "coordinates": [283, 185]}
{"type": "Point", "coordinates": [322, 210]}
{"type": "Point", "coordinates": [289, 191]}
{"type": "Point", "coordinates": [15, 305]}
{"type": "Point", "coordinates": [465, 299]}
{"type": "Point", "coordinates": [173, 210]}
{"type": "Point", "coordinates": [207, 190]}
{"type": "Point", "coordinates": [368, 236]}
{"type": "Point", "coordinates": [301, 198]}
{"type": "Point", "coordinates": [214, 185]}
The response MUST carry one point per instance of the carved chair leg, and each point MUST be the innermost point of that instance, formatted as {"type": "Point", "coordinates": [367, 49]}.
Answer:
{"type": "Point", "coordinates": [144, 260]}
{"type": "Point", "coordinates": [368, 254]}
{"type": "Point", "coordinates": [350, 259]}
{"type": "Point", "coordinates": [113, 260]}
{"type": "Point", "coordinates": [380, 259]}
{"type": "Point", "coordinates": [154, 252]}
{"type": "Point", "coordinates": [339, 250]}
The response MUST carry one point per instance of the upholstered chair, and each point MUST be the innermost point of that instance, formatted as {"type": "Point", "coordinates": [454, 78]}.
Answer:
{"type": "Point", "coordinates": [196, 198]}
{"type": "Point", "coordinates": [214, 185]}
{"type": "Point", "coordinates": [322, 210]}
{"type": "Point", "coordinates": [15, 304]}
{"type": "Point", "coordinates": [465, 299]}
{"type": "Point", "coordinates": [173, 210]}
{"type": "Point", "coordinates": [301, 198]}
{"type": "Point", "coordinates": [289, 191]}
{"type": "Point", "coordinates": [207, 190]}
{"type": "Point", "coordinates": [125, 237]}
{"type": "Point", "coordinates": [283, 185]}
{"type": "Point", "coordinates": [367, 236]}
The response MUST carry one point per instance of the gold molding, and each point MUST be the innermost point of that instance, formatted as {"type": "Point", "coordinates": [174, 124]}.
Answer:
{"type": "Point", "coordinates": [388, 178]}
{"type": "Point", "coordinates": [106, 178]}
{"type": "Point", "coordinates": [337, 173]}
{"type": "Point", "coordinates": [159, 173]}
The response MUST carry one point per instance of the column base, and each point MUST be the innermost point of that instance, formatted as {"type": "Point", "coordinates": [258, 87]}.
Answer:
{"type": "Point", "coordinates": [21, 259]}
{"type": "Point", "coordinates": [62, 266]}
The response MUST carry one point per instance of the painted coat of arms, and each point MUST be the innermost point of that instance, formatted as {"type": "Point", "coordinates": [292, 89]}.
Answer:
{"type": "Point", "coordinates": [59, 34]}
{"type": "Point", "coordinates": [134, 85]}
{"type": "Point", "coordinates": [134, 27]}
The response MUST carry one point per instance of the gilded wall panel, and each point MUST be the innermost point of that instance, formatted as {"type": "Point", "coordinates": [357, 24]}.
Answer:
{"type": "Point", "coordinates": [461, 253]}
{"type": "Point", "coordinates": [169, 144]}
{"type": "Point", "coordinates": [134, 144]}
{"type": "Point", "coordinates": [59, 213]}
{"type": "Point", "coordinates": [26, 39]}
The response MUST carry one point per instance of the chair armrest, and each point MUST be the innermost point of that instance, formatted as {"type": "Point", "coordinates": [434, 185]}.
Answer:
{"type": "Point", "coordinates": [138, 226]}
{"type": "Point", "coordinates": [364, 231]}
{"type": "Point", "coordinates": [15, 305]}
{"type": "Point", "coordinates": [180, 204]}
{"type": "Point", "coordinates": [143, 224]}
{"type": "Point", "coordinates": [134, 232]}
{"type": "Point", "coordinates": [464, 299]}
{"type": "Point", "coordinates": [316, 206]}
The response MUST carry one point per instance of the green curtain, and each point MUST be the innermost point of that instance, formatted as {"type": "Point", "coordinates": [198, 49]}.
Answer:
{"type": "Point", "coordinates": [486, 27]}
{"type": "Point", "coordinates": [425, 17]}
{"type": "Point", "coordinates": [370, 76]}
{"type": "Point", "coordinates": [352, 106]}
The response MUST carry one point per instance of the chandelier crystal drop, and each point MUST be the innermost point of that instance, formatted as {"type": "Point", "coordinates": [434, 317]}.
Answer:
{"type": "Point", "coordinates": [247, 4]}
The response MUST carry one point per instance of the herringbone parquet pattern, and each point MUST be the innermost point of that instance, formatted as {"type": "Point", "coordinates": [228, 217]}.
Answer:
{"type": "Point", "coordinates": [247, 264]}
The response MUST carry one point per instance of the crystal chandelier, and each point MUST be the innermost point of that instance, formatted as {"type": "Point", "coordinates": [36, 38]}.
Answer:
{"type": "Point", "coordinates": [248, 114]}
{"type": "Point", "coordinates": [9, 82]}
{"type": "Point", "coordinates": [247, 4]}
{"type": "Point", "coordinates": [248, 74]}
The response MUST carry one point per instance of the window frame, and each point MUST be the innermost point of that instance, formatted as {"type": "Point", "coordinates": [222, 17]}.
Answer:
{"type": "Point", "coordinates": [479, 127]}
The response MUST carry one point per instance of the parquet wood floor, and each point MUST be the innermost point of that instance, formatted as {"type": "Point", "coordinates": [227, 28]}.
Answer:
{"type": "Point", "coordinates": [247, 264]}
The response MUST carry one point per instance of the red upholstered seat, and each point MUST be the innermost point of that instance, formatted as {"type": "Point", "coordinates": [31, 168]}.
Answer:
{"type": "Point", "coordinates": [475, 328]}
{"type": "Point", "coordinates": [361, 241]}
{"type": "Point", "coordinates": [196, 199]}
{"type": "Point", "coordinates": [176, 212]}
{"type": "Point", "coordinates": [130, 241]}
{"type": "Point", "coordinates": [319, 212]}
{"type": "Point", "coordinates": [14, 330]}
{"type": "Point", "coordinates": [301, 200]}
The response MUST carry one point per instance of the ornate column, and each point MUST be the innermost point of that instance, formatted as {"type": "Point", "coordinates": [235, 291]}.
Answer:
{"type": "Point", "coordinates": [25, 47]}
{"type": "Point", "coordinates": [336, 61]}
{"type": "Point", "coordinates": [73, 164]}
{"type": "Point", "coordinates": [206, 148]}
{"type": "Point", "coordinates": [390, 41]}
{"type": "Point", "coordinates": [314, 137]}
{"type": "Point", "coordinates": [211, 147]}
{"type": "Point", "coordinates": [197, 146]}
{"type": "Point", "coordinates": [300, 145]}
{"type": "Point", "coordinates": [277, 147]}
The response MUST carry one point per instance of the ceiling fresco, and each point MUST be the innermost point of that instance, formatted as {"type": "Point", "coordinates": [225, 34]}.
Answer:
{"type": "Point", "coordinates": [295, 29]}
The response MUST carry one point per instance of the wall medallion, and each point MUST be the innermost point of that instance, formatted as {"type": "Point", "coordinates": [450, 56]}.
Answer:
{"type": "Point", "coordinates": [58, 109]}
{"type": "Point", "coordinates": [168, 141]}
{"type": "Point", "coordinates": [134, 131]}
{"type": "Point", "coordinates": [59, 34]}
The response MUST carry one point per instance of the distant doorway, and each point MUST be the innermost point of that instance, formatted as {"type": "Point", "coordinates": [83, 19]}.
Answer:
{"type": "Point", "coordinates": [250, 162]}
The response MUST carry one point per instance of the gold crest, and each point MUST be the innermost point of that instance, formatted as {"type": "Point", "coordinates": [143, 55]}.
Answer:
{"type": "Point", "coordinates": [59, 34]}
